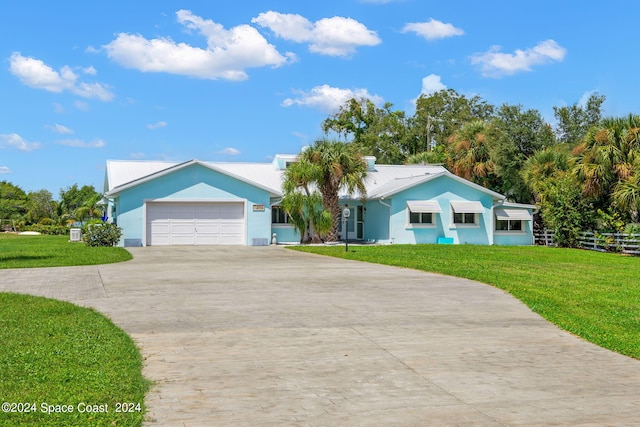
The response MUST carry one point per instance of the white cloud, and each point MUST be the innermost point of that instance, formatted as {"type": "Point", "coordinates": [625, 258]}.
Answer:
{"type": "Point", "coordinates": [58, 108]}
{"type": "Point", "coordinates": [5, 169]}
{"type": "Point", "coordinates": [229, 151]}
{"type": "Point", "coordinates": [96, 143]}
{"type": "Point", "coordinates": [329, 99]}
{"type": "Point", "coordinates": [90, 71]}
{"type": "Point", "coordinates": [36, 74]}
{"type": "Point", "coordinates": [337, 36]}
{"type": "Point", "coordinates": [227, 55]}
{"type": "Point", "coordinates": [432, 29]}
{"type": "Point", "coordinates": [59, 129]}
{"type": "Point", "coordinates": [431, 84]}
{"type": "Point", "coordinates": [496, 64]}
{"type": "Point", "coordinates": [16, 141]}
{"type": "Point", "coordinates": [81, 105]}
{"type": "Point", "coordinates": [157, 125]}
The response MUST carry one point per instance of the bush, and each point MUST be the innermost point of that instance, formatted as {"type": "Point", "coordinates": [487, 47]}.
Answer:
{"type": "Point", "coordinates": [633, 228]}
{"type": "Point", "coordinates": [103, 234]}
{"type": "Point", "coordinates": [565, 210]}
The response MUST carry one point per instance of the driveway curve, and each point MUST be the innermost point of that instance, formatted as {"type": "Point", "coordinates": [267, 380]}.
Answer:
{"type": "Point", "coordinates": [267, 336]}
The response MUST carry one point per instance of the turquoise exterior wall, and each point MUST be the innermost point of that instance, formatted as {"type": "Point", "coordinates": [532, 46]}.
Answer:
{"type": "Point", "coordinates": [443, 189]}
{"type": "Point", "coordinates": [193, 183]}
{"type": "Point", "coordinates": [512, 238]}
{"type": "Point", "coordinates": [376, 221]}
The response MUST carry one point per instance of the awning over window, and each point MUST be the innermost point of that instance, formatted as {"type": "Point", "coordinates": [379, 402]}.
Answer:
{"type": "Point", "coordinates": [424, 206]}
{"type": "Point", "coordinates": [467, 207]}
{"type": "Point", "coordinates": [513, 214]}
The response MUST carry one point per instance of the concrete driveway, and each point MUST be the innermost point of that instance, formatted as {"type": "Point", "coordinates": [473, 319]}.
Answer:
{"type": "Point", "coordinates": [267, 336]}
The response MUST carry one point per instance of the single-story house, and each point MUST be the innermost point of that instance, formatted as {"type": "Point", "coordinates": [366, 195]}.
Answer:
{"type": "Point", "coordinates": [216, 203]}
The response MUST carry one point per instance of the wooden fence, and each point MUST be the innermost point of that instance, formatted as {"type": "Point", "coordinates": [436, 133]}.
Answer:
{"type": "Point", "coordinates": [602, 242]}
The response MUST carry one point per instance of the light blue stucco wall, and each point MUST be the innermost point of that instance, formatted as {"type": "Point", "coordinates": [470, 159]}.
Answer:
{"type": "Point", "coordinates": [443, 189]}
{"type": "Point", "coordinates": [193, 183]}
{"type": "Point", "coordinates": [511, 238]}
{"type": "Point", "coordinates": [376, 221]}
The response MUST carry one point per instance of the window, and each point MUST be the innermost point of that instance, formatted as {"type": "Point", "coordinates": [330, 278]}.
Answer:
{"type": "Point", "coordinates": [464, 218]}
{"type": "Point", "coordinates": [511, 219]}
{"type": "Point", "coordinates": [420, 218]}
{"type": "Point", "coordinates": [466, 213]}
{"type": "Point", "coordinates": [279, 216]}
{"type": "Point", "coordinates": [422, 212]}
{"type": "Point", "coordinates": [508, 225]}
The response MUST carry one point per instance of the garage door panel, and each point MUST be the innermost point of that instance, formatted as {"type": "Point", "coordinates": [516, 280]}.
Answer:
{"type": "Point", "coordinates": [199, 223]}
{"type": "Point", "coordinates": [232, 212]}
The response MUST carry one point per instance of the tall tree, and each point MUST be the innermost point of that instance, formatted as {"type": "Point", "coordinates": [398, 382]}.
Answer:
{"type": "Point", "coordinates": [514, 136]}
{"type": "Point", "coordinates": [339, 166]}
{"type": "Point", "coordinates": [73, 197]}
{"type": "Point", "coordinates": [13, 201]}
{"type": "Point", "coordinates": [609, 159]}
{"type": "Point", "coordinates": [545, 164]}
{"type": "Point", "coordinates": [90, 208]}
{"type": "Point", "coordinates": [440, 114]}
{"type": "Point", "coordinates": [574, 121]}
{"type": "Point", "coordinates": [303, 203]}
{"type": "Point", "coordinates": [469, 154]}
{"type": "Point", "coordinates": [379, 132]}
{"type": "Point", "coordinates": [41, 206]}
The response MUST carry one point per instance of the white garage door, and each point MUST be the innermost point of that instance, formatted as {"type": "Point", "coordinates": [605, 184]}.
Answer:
{"type": "Point", "coordinates": [177, 223]}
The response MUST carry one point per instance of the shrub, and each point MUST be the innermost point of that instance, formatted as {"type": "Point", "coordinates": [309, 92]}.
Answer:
{"type": "Point", "coordinates": [104, 234]}
{"type": "Point", "coordinates": [565, 210]}
{"type": "Point", "coordinates": [633, 228]}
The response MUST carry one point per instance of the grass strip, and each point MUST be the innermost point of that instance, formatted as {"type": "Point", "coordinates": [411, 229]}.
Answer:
{"type": "Point", "coordinates": [65, 365]}
{"type": "Point", "coordinates": [20, 251]}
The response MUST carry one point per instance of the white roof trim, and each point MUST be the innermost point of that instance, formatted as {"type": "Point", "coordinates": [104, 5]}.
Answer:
{"type": "Point", "coordinates": [460, 206]}
{"type": "Point", "coordinates": [183, 165]}
{"type": "Point", "coordinates": [513, 214]}
{"type": "Point", "coordinates": [417, 180]}
{"type": "Point", "coordinates": [424, 206]}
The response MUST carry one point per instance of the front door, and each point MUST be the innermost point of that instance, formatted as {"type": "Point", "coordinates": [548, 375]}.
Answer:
{"type": "Point", "coordinates": [355, 223]}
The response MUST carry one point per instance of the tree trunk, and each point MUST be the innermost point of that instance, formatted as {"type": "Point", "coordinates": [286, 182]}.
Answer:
{"type": "Point", "coordinates": [332, 204]}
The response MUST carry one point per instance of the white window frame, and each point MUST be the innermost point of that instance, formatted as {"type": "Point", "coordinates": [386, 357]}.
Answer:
{"type": "Point", "coordinates": [435, 211]}
{"type": "Point", "coordinates": [464, 224]}
{"type": "Point", "coordinates": [511, 216]}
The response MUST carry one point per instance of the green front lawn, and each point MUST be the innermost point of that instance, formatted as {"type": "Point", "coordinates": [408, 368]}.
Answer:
{"type": "Point", "coordinates": [64, 365]}
{"type": "Point", "coordinates": [593, 295]}
{"type": "Point", "coordinates": [19, 251]}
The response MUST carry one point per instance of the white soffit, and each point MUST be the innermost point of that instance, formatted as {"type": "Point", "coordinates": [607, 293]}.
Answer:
{"type": "Point", "coordinates": [424, 206]}
{"type": "Point", "coordinates": [467, 207]}
{"type": "Point", "coordinates": [513, 214]}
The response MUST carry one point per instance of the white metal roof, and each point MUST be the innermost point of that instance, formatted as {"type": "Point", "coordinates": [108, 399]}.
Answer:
{"type": "Point", "coordinates": [382, 181]}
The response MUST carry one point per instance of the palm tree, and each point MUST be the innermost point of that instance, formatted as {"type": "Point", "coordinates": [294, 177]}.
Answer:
{"type": "Point", "coordinates": [303, 203]}
{"type": "Point", "coordinates": [626, 196]}
{"type": "Point", "coordinates": [545, 164]}
{"type": "Point", "coordinates": [607, 155]}
{"type": "Point", "coordinates": [90, 208]}
{"type": "Point", "coordinates": [469, 156]}
{"type": "Point", "coordinates": [336, 166]}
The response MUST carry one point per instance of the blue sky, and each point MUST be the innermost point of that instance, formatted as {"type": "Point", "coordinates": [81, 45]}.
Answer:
{"type": "Point", "coordinates": [82, 82]}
